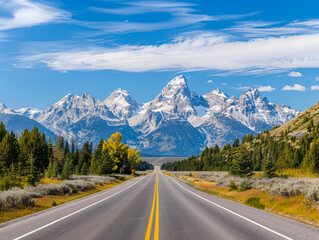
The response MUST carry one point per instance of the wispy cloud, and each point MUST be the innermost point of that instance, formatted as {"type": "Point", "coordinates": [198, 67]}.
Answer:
{"type": "Point", "coordinates": [296, 87]}
{"type": "Point", "coordinates": [210, 81]}
{"type": "Point", "coordinates": [181, 15]}
{"type": "Point", "coordinates": [193, 54]}
{"type": "Point", "coordinates": [26, 13]}
{"type": "Point", "coordinates": [254, 29]}
{"type": "Point", "coordinates": [294, 74]}
{"type": "Point", "coordinates": [315, 87]}
{"type": "Point", "coordinates": [317, 78]}
{"type": "Point", "coordinates": [266, 89]}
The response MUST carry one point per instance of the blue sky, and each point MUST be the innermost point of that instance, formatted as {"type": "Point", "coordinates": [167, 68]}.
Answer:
{"type": "Point", "coordinates": [51, 48]}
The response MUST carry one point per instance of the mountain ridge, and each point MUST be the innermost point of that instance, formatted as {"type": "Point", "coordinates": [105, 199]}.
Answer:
{"type": "Point", "coordinates": [164, 125]}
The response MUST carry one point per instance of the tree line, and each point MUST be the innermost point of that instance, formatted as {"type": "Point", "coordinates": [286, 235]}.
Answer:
{"type": "Point", "coordinates": [256, 153]}
{"type": "Point", "coordinates": [30, 157]}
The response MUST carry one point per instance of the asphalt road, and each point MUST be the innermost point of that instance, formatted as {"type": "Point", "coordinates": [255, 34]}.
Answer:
{"type": "Point", "coordinates": [155, 206]}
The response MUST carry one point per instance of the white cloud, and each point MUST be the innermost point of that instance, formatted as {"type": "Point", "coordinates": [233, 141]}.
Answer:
{"type": "Point", "coordinates": [296, 87]}
{"type": "Point", "coordinates": [181, 15]}
{"type": "Point", "coordinates": [210, 81]}
{"type": "Point", "coordinates": [317, 78]}
{"type": "Point", "coordinates": [224, 84]}
{"type": "Point", "coordinates": [26, 13]}
{"type": "Point", "coordinates": [206, 52]}
{"type": "Point", "coordinates": [315, 87]}
{"type": "Point", "coordinates": [266, 89]}
{"type": "Point", "coordinates": [294, 74]}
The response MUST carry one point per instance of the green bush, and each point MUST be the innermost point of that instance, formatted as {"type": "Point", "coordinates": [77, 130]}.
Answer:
{"type": "Point", "coordinates": [54, 203]}
{"type": "Point", "coordinates": [232, 186]}
{"type": "Point", "coordinates": [74, 190]}
{"type": "Point", "coordinates": [255, 202]}
{"type": "Point", "coordinates": [245, 185]}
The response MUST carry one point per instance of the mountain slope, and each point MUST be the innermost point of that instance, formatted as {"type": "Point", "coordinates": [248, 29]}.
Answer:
{"type": "Point", "coordinates": [18, 123]}
{"type": "Point", "coordinates": [299, 126]}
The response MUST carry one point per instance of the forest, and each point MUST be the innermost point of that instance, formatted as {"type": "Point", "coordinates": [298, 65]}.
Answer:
{"type": "Point", "coordinates": [27, 158]}
{"type": "Point", "coordinates": [263, 152]}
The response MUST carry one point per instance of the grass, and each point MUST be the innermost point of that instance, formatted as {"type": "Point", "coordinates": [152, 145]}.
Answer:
{"type": "Point", "coordinates": [48, 201]}
{"type": "Point", "coordinates": [298, 173]}
{"type": "Point", "coordinates": [295, 207]}
{"type": "Point", "coordinates": [255, 202]}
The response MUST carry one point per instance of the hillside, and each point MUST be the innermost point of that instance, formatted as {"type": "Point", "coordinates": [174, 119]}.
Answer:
{"type": "Point", "coordinates": [294, 145]}
{"type": "Point", "coordinates": [299, 126]}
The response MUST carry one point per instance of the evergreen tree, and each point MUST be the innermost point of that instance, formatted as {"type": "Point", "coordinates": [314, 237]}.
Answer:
{"type": "Point", "coordinates": [286, 158]}
{"type": "Point", "coordinates": [269, 169]}
{"type": "Point", "coordinates": [242, 164]}
{"type": "Point", "coordinates": [66, 171]}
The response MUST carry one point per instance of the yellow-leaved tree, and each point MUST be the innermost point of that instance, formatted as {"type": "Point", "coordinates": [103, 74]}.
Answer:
{"type": "Point", "coordinates": [133, 157]}
{"type": "Point", "coordinates": [117, 150]}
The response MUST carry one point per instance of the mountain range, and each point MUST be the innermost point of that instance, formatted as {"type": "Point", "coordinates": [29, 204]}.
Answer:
{"type": "Point", "coordinates": [178, 122]}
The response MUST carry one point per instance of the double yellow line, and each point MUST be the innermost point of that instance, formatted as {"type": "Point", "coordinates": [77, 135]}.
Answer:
{"type": "Point", "coordinates": [150, 221]}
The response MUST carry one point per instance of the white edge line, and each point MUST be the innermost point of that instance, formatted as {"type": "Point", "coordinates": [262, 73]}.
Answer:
{"type": "Point", "coordinates": [230, 211]}
{"type": "Point", "coordinates": [71, 214]}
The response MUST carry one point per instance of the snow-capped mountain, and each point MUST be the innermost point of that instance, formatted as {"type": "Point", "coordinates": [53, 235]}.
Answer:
{"type": "Point", "coordinates": [29, 112]}
{"type": "Point", "coordinates": [72, 108]}
{"type": "Point", "coordinates": [121, 104]}
{"type": "Point", "coordinates": [177, 122]}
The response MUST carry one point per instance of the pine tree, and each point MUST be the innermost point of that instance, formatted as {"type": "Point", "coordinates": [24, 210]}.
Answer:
{"type": "Point", "coordinates": [269, 169]}
{"type": "Point", "coordinates": [66, 171]}
{"type": "Point", "coordinates": [33, 173]}
{"type": "Point", "coordinates": [286, 158]}
{"type": "Point", "coordinates": [311, 161]}
{"type": "Point", "coordinates": [242, 164]}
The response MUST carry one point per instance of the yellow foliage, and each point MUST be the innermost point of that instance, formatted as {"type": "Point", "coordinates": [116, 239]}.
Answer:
{"type": "Point", "coordinates": [133, 157]}
{"type": "Point", "coordinates": [117, 149]}
{"type": "Point", "coordinates": [49, 180]}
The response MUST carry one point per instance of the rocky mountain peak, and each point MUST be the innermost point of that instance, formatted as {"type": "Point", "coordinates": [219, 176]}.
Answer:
{"type": "Point", "coordinates": [121, 104]}
{"type": "Point", "coordinates": [2, 107]}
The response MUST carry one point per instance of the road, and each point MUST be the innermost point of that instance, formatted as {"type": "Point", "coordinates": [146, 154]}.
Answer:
{"type": "Point", "coordinates": [155, 206]}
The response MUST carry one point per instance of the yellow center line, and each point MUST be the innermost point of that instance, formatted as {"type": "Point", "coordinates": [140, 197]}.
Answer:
{"type": "Point", "coordinates": [150, 221]}
{"type": "Point", "coordinates": [156, 231]}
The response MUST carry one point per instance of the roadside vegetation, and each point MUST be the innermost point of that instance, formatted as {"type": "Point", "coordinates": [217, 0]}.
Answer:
{"type": "Point", "coordinates": [31, 202]}
{"type": "Point", "coordinates": [297, 198]}
{"type": "Point", "coordinates": [33, 169]}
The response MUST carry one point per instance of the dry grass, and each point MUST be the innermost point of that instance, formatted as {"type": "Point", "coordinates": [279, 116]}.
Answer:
{"type": "Point", "coordinates": [295, 207]}
{"type": "Point", "coordinates": [45, 202]}
{"type": "Point", "coordinates": [298, 173]}
{"type": "Point", "coordinates": [49, 180]}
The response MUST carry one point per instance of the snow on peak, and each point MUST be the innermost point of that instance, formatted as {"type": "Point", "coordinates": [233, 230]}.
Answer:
{"type": "Point", "coordinates": [121, 104]}
{"type": "Point", "coordinates": [2, 106]}
{"type": "Point", "coordinates": [120, 91]}
{"type": "Point", "coordinates": [29, 112]}
{"type": "Point", "coordinates": [175, 86]}
{"type": "Point", "coordinates": [179, 80]}
{"type": "Point", "coordinates": [252, 93]}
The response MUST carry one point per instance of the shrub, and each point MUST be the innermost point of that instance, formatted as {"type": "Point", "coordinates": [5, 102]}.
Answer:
{"type": "Point", "coordinates": [74, 190]}
{"type": "Point", "coordinates": [54, 203]}
{"type": "Point", "coordinates": [245, 185]}
{"type": "Point", "coordinates": [232, 186]}
{"type": "Point", "coordinates": [255, 202]}
{"type": "Point", "coordinates": [17, 197]}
